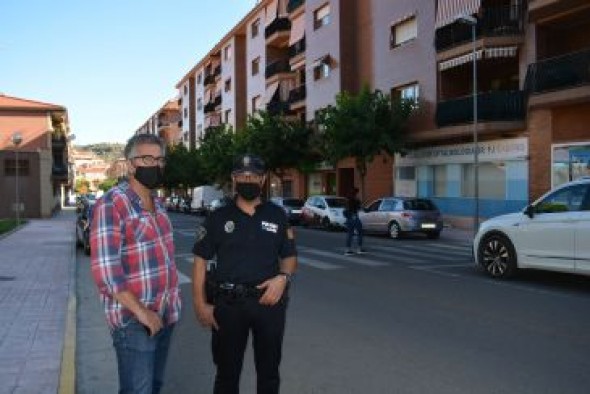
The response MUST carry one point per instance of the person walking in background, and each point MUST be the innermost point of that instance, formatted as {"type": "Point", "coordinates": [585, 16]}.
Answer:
{"type": "Point", "coordinates": [354, 226]}
{"type": "Point", "coordinates": [255, 254]}
{"type": "Point", "coordinates": [132, 262]}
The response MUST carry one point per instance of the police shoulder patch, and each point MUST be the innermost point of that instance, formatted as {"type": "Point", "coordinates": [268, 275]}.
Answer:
{"type": "Point", "coordinates": [200, 233]}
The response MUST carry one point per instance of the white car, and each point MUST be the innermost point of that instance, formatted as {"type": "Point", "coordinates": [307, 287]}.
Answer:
{"type": "Point", "coordinates": [553, 233]}
{"type": "Point", "coordinates": [324, 211]}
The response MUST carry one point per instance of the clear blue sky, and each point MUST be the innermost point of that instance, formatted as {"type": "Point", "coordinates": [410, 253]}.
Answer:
{"type": "Point", "coordinates": [112, 63]}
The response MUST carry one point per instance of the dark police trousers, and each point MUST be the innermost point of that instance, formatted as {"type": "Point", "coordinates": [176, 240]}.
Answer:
{"type": "Point", "coordinates": [236, 317]}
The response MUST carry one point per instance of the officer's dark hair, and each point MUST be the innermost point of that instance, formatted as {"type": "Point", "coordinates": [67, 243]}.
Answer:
{"type": "Point", "coordinates": [143, 139]}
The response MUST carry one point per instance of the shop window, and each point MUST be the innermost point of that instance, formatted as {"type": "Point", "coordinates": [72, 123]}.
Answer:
{"type": "Point", "coordinates": [570, 162]}
{"type": "Point", "coordinates": [492, 180]}
{"type": "Point", "coordinates": [406, 173]}
{"type": "Point", "coordinates": [10, 167]}
{"type": "Point", "coordinates": [439, 175]}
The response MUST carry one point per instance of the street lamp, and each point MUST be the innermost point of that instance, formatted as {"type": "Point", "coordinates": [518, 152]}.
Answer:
{"type": "Point", "coordinates": [472, 21]}
{"type": "Point", "coordinates": [17, 138]}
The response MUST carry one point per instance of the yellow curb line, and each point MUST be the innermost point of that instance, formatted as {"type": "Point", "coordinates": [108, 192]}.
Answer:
{"type": "Point", "coordinates": [67, 377]}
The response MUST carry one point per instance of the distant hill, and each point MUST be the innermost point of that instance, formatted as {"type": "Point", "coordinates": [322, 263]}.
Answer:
{"type": "Point", "coordinates": [107, 151]}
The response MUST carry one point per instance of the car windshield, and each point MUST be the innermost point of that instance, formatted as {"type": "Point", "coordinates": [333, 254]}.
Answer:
{"type": "Point", "coordinates": [336, 202]}
{"type": "Point", "coordinates": [419, 205]}
{"type": "Point", "coordinates": [293, 202]}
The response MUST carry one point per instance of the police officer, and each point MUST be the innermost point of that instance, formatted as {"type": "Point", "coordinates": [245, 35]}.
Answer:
{"type": "Point", "coordinates": [255, 255]}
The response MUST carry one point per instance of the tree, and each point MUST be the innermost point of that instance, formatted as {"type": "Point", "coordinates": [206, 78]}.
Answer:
{"type": "Point", "coordinates": [282, 144]}
{"type": "Point", "coordinates": [363, 126]}
{"type": "Point", "coordinates": [82, 186]}
{"type": "Point", "coordinates": [107, 184]}
{"type": "Point", "coordinates": [177, 170]}
{"type": "Point", "coordinates": [217, 151]}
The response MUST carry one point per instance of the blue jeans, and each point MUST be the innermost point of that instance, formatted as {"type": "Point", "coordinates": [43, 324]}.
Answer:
{"type": "Point", "coordinates": [141, 359]}
{"type": "Point", "coordinates": [353, 224]}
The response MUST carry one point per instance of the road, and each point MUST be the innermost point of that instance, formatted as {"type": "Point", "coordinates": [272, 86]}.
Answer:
{"type": "Point", "coordinates": [411, 316]}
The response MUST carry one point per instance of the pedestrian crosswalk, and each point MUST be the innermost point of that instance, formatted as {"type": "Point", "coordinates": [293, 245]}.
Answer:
{"type": "Point", "coordinates": [425, 256]}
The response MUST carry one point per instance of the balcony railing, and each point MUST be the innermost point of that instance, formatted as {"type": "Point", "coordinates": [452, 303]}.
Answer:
{"type": "Point", "coordinates": [279, 24]}
{"type": "Point", "coordinates": [217, 71]}
{"type": "Point", "coordinates": [59, 170]}
{"type": "Point", "coordinates": [294, 4]}
{"type": "Point", "coordinates": [279, 66]}
{"type": "Point", "coordinates": [58, 142]}
{"type": "Point", "coordinates": [297, 48]}
{"type": "Point", "coordinates": [278, 107]}
{"type": "Point", "coordinates": [209, 79]}
{"type": "Point", "coordinates": [562, 72]}
{"type": "Point", "coordinates": [491, 107]}
{"type": "Point", "coordinates": [209, 107]}
{"type": "Point", "coordinates": [297, 94]}
{"type": "Point", "coordinates": [494, 22]}
{"type": "Point", "coordinates": [217, 100]}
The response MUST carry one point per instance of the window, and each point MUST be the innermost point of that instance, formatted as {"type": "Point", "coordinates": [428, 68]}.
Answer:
{"type": "Point", "coordinates": [255, 66]}
{"type": "Point", "coordinates": [406, 173]}
{"type": "Point", "coordinates": [567, 199]}
{"type": "Point", "coordinates": [403, 32]}
{"type": "Point", "coordinates": [227, 116]}
{"type": "Point", "coordinates": [199, 104]}
{"type": "Point", "coordinates": [570, 162]}
{"type": "Point", "coordinates": [322, 69]}
{"type": "Point", "coordinates": [408, 92]}
{"type": "Point", "coordinates": [374, 206]}
{"type": "Point", "coordinates": [492, 180]}
{"type": "Point", "coordinates": [227, 85]}
{"type": "Point", "coordinates": [255, 27]}
{"type": "Point", "coordinates": [10, 167]}
{"type": "Point", "coordinates": [185, 112]}
{"type": "Point", "coordinates": [185, 90]}
{"type": "Point", "coordinates": [255, 103]}
{"type": "Point", "coordinates": [199, 78]}
{"type": "Point", "coordinates": [227, 53]}
{"type": "Point", "coordinates": [439, 178]}
{"type": "Point", "coordinates": [321, 16]}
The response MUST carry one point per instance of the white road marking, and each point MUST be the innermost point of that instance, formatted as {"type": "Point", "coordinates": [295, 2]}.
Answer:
{"type": "Point", "coordinates": [350, 259]}
{"type": "Point", "coordinates": [317, 264]}
{"type": "Point", "coordinates": [424, 257]}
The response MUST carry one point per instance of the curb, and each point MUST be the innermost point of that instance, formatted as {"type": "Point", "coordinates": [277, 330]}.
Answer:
{"type": "Point", "coordinates": [67, 377]}
{"type": "Point", "coordinates": [24, 223]}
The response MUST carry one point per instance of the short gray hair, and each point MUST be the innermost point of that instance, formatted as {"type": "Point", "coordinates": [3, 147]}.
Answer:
{"type": "Point", "coordinates": [143, 139]}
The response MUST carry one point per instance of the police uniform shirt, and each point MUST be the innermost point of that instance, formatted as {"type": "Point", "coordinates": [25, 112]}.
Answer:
{"type": "Point", "coordinates": [247, 248]}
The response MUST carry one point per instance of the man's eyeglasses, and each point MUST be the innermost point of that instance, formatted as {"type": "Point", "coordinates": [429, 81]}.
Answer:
{"type": "Point", "coordinates": [150, 160]}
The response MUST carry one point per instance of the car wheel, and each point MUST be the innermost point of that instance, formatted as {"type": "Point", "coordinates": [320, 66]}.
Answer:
{"type": "Point", "coordinates": [326, 223]}
{"type": "Point", "coordinates": [86, 247]}
{"type": "Point", "coordinates": [433, 235]}
{"type": "Point", "coordinates": [394, 231]}
{"type": "Point", "coordinates": [497, 256]}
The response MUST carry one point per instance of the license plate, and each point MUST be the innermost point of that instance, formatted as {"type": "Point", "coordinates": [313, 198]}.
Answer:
{"type": "Point", "coordinates": [428, 225]}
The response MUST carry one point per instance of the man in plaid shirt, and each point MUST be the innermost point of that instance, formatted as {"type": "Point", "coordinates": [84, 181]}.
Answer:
{"type": "Point", "coordinates": [132, 261]}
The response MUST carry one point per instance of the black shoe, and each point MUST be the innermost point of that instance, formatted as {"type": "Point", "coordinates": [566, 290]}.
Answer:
{"type": "Point", "coordinates": [349, 253]}
{"type": "Point", "coordinates": [361, 251]}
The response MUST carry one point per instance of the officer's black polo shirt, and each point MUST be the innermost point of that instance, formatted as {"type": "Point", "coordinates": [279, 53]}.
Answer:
{"type": "Point", "coordinates": [247, 248]}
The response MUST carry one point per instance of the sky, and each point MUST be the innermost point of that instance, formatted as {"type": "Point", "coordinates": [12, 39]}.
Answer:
{"type": "Point", "coordinates": [111, 63]}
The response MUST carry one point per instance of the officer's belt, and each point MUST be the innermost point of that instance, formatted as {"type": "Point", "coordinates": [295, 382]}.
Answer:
{"type": "Point", "coordinates": [237, 290]}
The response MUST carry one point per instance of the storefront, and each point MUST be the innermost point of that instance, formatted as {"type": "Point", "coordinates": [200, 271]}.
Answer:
{"type": "Point", "coordinates": [445, 174]}
{"type": "Point", "coordinates": [569, 162]}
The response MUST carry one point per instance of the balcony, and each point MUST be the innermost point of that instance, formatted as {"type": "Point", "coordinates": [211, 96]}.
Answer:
{"type": "Point", "coordinates": [217, 71]}
{"type": "Point", "coordinates": [58, 142]}
{"type": "Point", "coordinates": [278, 107]}
{"type": "Point", "coordinates": [209, 107]}
{"type": "Point", "coordinates": [217, 100]}
{"type": "Point", "coordinates": [562, 72]}
{"type": "Point", "coordinates": [297, 49]}
{"type": "Point", "coordinates": [277, 33]}
{"type": "Point", "coordinates": [541, 9]}
{"type": "Point", "coordinates": [59, 171]}
{"type": "Point", "coordinates": [209, 79]}
{"type": "Point", "coordinates": [294, 4]}
{"type": "Point", "coordinates": [494, 22]}
{"type": "Point", "coordinates": [298, 94]}
{"type": "Point", "coordinates": [500, 106]}
{"type": "Point", "coordinates": [277, 67]}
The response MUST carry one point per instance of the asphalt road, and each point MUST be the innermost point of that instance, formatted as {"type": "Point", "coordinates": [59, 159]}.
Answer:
{"type": "Point", "coordinates": [411, 316]}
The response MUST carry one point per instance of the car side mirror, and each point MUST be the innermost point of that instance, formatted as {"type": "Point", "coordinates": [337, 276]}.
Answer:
{"type": "Point", "coordinates": [530, 211]}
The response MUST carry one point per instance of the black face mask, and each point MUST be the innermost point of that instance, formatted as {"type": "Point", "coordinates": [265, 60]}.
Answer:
{"type": "Point", "coordinates": [248, 191]}
{"type": "Point", "coordinates": [150, 177]}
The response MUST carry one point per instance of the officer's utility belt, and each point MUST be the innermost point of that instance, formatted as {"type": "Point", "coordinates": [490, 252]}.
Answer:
{"type": "Point", "coordinates": [235, 290]}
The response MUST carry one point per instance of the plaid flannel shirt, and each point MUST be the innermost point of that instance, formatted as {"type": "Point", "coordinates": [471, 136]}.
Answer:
{"type": "Point", "coordinates": [132, 250]}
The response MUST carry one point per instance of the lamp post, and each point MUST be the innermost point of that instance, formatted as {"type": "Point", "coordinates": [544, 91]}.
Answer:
{"type": "Point", "coordinates": [17, 138]}
{"type": "Point", "coordinates": [472, 21]}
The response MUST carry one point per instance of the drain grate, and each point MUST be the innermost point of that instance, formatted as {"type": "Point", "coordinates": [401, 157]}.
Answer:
{"type": "Point", "coordinates": [6, 278]}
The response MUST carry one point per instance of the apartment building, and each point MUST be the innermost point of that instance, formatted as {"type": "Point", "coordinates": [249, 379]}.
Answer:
{"type": "Point", "coordinates": [43, 166]}
{"type": "Point", "coordinates": [166, 123]}
{"type": "Point", "coordinates": [532, 82]}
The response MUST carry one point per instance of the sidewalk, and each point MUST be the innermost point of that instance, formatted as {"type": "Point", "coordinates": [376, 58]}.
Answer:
{"type": "Point", "coordinates": [36, 282]}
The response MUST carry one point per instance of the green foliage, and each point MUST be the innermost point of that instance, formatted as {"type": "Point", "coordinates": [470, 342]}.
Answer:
{"type": "Point", "coordinates": [363, 126]}
{"type": "Point", "coordinates": [107, 184]}
{"type": "Point", "coordinates": [217, 151]}
{"type": "Point", "coordinates": [280, 143]}
{"type": "Point", "coordinates": [105, 150]}
{"type": "Point", "coordinates": [182, 168]}
{"type": "Point", "coordinates": [7, 225]}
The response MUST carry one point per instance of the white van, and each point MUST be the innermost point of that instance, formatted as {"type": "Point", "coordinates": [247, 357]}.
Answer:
{"type": "Point", "coordinates": [202, 197]}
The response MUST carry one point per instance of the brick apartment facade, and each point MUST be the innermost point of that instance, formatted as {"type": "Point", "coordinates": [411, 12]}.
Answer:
{"type": "Point", "coordinates": [533, 91]}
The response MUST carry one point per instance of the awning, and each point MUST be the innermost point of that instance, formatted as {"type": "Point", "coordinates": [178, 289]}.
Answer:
{"type": "Point", "coordinates": [457, 61]}
{"type": "Point", "coordinates": [271, 90]}
{"type": "Point", "coordinates": [271, 12]}
{"type": "Point", "coordinates": [403, 19]}
{"type": "Point", "coordinates": [324, 59]}
{"type": "Point", "coordinates": [449, 10]}
{"type": "Point", "coordinates": [496, 52]}
{"type": "Point", "coordinates": [207, 96]}
{"type": "Point", "coordinates": [297, 29]}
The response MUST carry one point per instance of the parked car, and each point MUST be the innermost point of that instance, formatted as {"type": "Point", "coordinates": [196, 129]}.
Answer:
{"type": "Point", "coordinates": [397, 216]}
{"type": "Point", "coordinates": [83, 219]}
{"type": "Point", "coordinates": [552, 234]}
{"type": "Point", "coordinates": [218, 203]}
{"type": "Point", "coordinates": [292, 207]}
{"type": "Point", "coordinates": [203, 196]}
{"type": "Point", "coordinates": [324, 211]}
{"type": "Point", "coordinates": [185, 205]}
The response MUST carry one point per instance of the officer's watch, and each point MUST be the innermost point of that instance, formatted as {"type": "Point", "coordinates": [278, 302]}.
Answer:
{"type": "Point", "coordinates": [287, 276]}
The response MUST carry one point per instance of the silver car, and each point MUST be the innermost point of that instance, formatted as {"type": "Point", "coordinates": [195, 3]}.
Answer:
{"type": "Point", "coordinates": [397, 216]}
